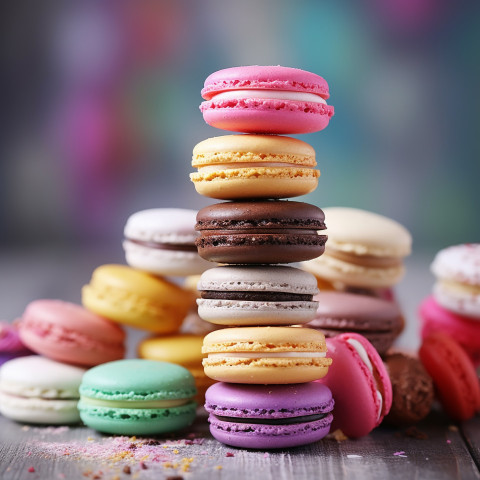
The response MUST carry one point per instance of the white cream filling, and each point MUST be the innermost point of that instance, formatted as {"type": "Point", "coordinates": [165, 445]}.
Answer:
{"type": "Point", "coordinates": [270, 94]}
{"type": "Point", "coordinates": [364, 357]}
{"type": "Point", "coordinates": [235, 165]}
{"type": "Point", "coordinates": [268, 355]}
{"type": "Point", "coordinates": [134, 403]}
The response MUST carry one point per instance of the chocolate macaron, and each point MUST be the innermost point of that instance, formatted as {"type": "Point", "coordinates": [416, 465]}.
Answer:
{"type": "Point", "coordinates": [378, 320]}
{"type": "Point", "coordinates": [412, 387]}
{"type": "Point", "coordinates": [260, 232]}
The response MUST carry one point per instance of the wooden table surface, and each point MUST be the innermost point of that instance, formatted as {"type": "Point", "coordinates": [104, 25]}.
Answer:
{"type": "Point", "coordinates": [435, 449]}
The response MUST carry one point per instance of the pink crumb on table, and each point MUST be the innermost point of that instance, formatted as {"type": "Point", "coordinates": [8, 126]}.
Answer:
{"type": "Point", "coordinates": [229, 454]}
{"type": "Point", "coordinates": [399, 454]}
{"type": "Point", "coordinates": [31, 470]}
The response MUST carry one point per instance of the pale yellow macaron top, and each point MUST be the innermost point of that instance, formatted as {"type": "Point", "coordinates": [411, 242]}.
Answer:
{"type": "Point", "coordinates": [254, 166]}
{"type": "Point", "coordinates": [364, 249]}
{"type": "Point", "coordinates": [126, 295]}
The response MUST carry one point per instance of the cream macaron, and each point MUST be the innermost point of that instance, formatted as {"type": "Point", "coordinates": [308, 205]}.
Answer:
{"type": "Point", "coordinates": [364, 250]}
{"type": "Point", "coordinates": [457, 288]}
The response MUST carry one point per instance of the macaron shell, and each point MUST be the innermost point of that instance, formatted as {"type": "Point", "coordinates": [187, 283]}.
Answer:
{"type": "Point", "coordinates": [271, 77]}
{"type": "Point", "coordinates": [334, 270]}
{"type": "Point", "coordinates": [38, 410]}
{"type": "Point", "coordinates": [460, 298]}
{"type": "Point", "coordinates": [463, 330]}
{"type": "Point", "coordinates": [459, 263]}
{"type": "Point", "coordinates": [176, 263]}
{"type": "Point", "coordinates": [246, 435]}
{"type": "Point", "coordinates": [234, 312]}
{"type": "Point", "coordinates": [354, 387]}
{"type": "Point", "coordinates": [255, 182]}
{"type": "Point", "coordinates": [135, 298]}
{"type": "Point", "coordinates": [68, 333]}
{"type": "Point", "coordinates": [131, 421]}
{"type": "Point", "coordinates": [453, 374]}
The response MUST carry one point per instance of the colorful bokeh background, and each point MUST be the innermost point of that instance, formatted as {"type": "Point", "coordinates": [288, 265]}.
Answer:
{"type": "Point", "coordinates": [100, 108]}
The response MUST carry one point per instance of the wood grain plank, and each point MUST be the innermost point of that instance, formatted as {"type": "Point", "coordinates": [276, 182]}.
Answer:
{"type": "Point", "coordinates": [443, 455]}
{"type": "Point", "coordinates": [471, 434]}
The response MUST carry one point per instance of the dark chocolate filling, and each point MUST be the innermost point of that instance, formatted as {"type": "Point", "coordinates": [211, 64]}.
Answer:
{"type": "Point", "coordinates": [273, 223]}
{"type": "Point", "coordinates": [259, 240]}
{"type": "Point", "coordinates": [257, 296]}
{"type": "Point", "coordinates": [165, 246]}
{"type": "Point", "coordinates": [273, 421]}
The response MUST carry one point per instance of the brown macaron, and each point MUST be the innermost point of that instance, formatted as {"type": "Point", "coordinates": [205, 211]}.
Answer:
{"type": "Point", "coordinates": [413, 390]}
{"type": "Point", "coordinates": [379, 321]}
{"type": "Point", "coordinates": [259, 232]}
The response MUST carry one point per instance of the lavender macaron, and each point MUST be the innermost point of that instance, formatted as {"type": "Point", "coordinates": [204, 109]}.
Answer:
{"type": "Point", "coordinates": [269, 416]}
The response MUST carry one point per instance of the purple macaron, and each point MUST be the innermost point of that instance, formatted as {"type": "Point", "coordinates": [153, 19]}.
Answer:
{"type": "Point", "coordinates": [10, 344]}
{"type": "Point", "coordinates": [269, 416]}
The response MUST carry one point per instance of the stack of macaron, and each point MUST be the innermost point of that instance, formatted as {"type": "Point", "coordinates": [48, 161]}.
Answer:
{"type": "Point", "coordinates": [454, 306]}
{"type": "Point", "coordinates": [159, 244]}
{"type": "Point", "coordinates": [267, 396]}
{"type": "Point", "coordinates": [68, 339]}
{"type": "Point", "coordinates": [450, 329]}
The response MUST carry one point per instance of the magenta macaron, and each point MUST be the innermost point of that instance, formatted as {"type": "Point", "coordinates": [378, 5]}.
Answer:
{"type": "Point", "coordinates": [68, 333]}
{"type": "Point", "coordinates": [10, 344]}
{"type": "Point", "coordinates": [465, 330]}
{"type": "Point", "coordinates": [269, 416]}
{"type": "Point", "coordinates": [359, 383]}
{"type": "Point", "coordinates": [266, 99]}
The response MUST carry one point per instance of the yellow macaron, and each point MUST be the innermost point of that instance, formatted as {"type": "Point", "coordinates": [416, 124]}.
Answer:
{"type": "Point", "coordinates": [266, 355]}
{"type": "Point", "coordinates": [136, 298]}
{"type": "Point", "coordinates": [254, 166]}
{"type": "Point", "coordinates": [184, 350]}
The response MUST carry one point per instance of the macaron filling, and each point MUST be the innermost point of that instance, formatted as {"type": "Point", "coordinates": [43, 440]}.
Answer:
{"type": "Point", "coordinates": [23, 391]}
{"type": "Point", "coordinates": [362, 352]}
{"type": "Point", "coordinates": [369, 261]}
{"type": "Point", "coordinates": [253, 296]}
{"type": "Point", "coordinates": [97, 402]}
{"type": "Point", "coordinates": [273, 421]}
{"type": "Point", "coordinates": [269, 95]}
{"type": "Point", "coordinates": [164, 246]}
{"type": "Point", "coordinates": [239, 165]}
{"type": "Point", "coordinates": [268, 355]}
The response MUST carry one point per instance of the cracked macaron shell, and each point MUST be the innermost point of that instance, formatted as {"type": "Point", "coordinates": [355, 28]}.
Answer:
{"type": "Point", "coordinates": [264, 368]}
{"type": "Point", "coordinates": [69, 333]}
{"type": "Point", "coordinates": [136, 298]}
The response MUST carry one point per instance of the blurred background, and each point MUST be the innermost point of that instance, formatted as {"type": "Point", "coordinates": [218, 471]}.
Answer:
{"type": "Point", "coordinates": [100, 115]}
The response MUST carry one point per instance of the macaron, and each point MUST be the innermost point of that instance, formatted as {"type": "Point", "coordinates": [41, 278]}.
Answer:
{"type": "Point", "coordinates": [464, 330]}
{"type": "Point", "coordinates": [68, 333]}
{"type": "Point", "coordinates": [162, 241]}
{"type": "Point", "coordinates": [377, 320]}
{"type": "Point", "coordinates": [412, 390]}
{"type": "Point", "coordinates": [184, 350]}
{"type": "Point", "coordinates": [265, 355]}
{"type": "Point", "coordinates": [453, 374]}
{"type": "Point", "coordinates": [269, 416]}
{"type": "Point", "coordinates": [10, 344]}
{"type": "Point", "coordinates": [137, 397]}
{"type": "Point", "coordinates": [132, 297]}
{"type": "Point", "coordinates": [457, 287]}
{"type": "Point", "coordinates": [266, 99]}
{"type": "Point", "coordinates": [35, 389]}
{"type": "Point", "coordinates": [359, 383]}
{"type": "Point", "coordinates": [364, 250]}
{"type": "Point", "coordinates": [254, 166]}
{"type": "Point", "coordinates": [260, 232]}
{"type": "Point", "coordinates": [257, 295]}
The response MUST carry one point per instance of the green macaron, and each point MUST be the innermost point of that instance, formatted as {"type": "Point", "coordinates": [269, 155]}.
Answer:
{"type": "Point", "coordinates": [137, 397]}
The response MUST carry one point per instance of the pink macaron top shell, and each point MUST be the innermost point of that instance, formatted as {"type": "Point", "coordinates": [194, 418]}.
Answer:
{"type": "Point", "coordinates": [264, 78]}
{"type": "Point", "coordinates": [464, 330]}
{"type": "Point", "coordinates": [358, 409]}
{"type": "Point", "coordinates": [68, 333]}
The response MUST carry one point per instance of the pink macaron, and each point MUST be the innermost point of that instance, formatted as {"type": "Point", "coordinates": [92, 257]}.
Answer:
{"type": "Point", "coordinates": [266, 99]}
{"type": "Point", "coordinates": [359, 383]}
{"type": "Point", "coordinates": [465, 330]}
{"type": "Point", "coordinates": [68, 333]}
